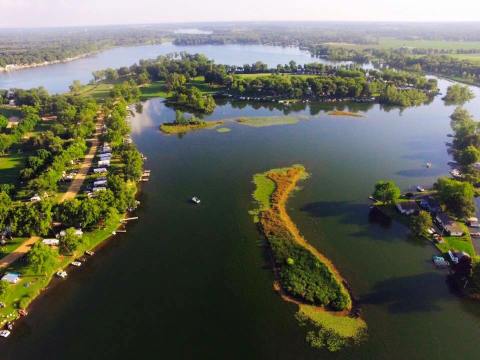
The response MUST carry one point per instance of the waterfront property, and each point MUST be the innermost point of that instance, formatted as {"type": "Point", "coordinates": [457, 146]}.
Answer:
{"type": "Point", "coordinates": [449, 225]}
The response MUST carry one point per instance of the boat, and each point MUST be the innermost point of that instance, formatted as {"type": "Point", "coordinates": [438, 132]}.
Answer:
{"type": "Point", "coordinates": [440, 261]}
{"type": "Point", "coordinates": [195, 200]}
{"type": "Point", "coordinates": [428, 165]}
{"type": "Point", "coordinates": [23, 312]}
{"type": "Point", "coordinates": [475, 234]}
{"type": "Point", "coordinates": [420, 188]}
{"type": "Point", "coordinates": [89, 253]}
{"type": "Point", "coordinates": [61, 274]}
{"type": "Point", "coordinates": [5, 333]}
{"type": "Point", "coordinates": [10, 325]}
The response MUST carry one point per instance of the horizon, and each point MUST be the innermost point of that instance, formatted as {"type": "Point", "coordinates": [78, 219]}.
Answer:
{"type": "Point", "coordinates": [33, 14]}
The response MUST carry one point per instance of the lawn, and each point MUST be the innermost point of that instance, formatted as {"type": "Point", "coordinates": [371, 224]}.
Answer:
{"type": "Point", "coordinates": [428, 44]}
{"type": "Point", "coordinates": [157, 89]}
{"type": "Point", "coordinates": [11, 246]}
{"type": "Point", "coordinates": [345, 326]}
{"type": "Point", "coordinates": [10, 166]}
{"type": "Point", "coordinates": [32, 283]}
{"type": "Point", "coordinates": [265, 121]}
{"type": "Point", "coordinates": [9, 111]}
{"type": "Point", "coordinates": [98, 91]}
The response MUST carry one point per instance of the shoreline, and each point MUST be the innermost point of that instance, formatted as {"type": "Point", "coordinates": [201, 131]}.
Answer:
{"type": "Point", "coordinates": [17, 67]}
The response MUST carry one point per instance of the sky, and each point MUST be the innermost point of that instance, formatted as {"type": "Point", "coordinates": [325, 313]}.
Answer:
{"type": "Point", "coordinates": [50, 13]}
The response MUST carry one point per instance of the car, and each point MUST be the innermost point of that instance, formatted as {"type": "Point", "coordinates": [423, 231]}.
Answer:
{"type": "Point", "coordinates": [5, 333]}
{"type": "Point", "coordinates": [76, 263]}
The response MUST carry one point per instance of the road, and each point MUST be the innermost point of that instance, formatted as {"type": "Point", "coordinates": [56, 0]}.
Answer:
{"type": "Point", "coordinates": [72, 191]}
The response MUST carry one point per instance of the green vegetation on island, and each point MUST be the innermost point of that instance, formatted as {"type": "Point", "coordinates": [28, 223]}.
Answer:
{"type": "Point", "coordinates": [458, 94]}
{"type": "Point", "coordinates": [303, 275]}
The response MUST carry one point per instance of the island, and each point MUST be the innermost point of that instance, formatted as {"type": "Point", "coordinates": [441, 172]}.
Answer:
{"type": "Point", "coordinates": [303, 275]}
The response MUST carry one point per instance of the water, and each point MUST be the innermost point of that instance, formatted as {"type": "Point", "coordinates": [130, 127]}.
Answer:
{"type": "Point", "coordinates": [190, 282]}
{"type": "Point", "coordinates": [56, 78]}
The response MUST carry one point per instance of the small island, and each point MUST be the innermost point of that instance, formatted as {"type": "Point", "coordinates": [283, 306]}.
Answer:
{"type": "Point", "coordinates": [182, 125]}
{"type": "Point", "coordinates": [303, 275]}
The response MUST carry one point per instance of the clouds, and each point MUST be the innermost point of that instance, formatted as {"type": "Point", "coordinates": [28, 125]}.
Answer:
{"type": "Point", "coordinates": [32, 13]}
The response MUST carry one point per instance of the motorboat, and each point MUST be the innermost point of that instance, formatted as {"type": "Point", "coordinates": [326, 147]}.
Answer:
{"type": "Point", "coordinates": [195, 200]}
{"type": "Point", "coordinates": [61, 274]}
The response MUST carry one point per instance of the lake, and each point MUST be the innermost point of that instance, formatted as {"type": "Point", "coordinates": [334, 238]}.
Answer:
{"type": "Point", "coordinates": [191, 282]}
{"type": "Point", "coordinates": [57, 77]}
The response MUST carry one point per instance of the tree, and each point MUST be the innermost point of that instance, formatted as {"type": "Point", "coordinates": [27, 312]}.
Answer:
{"type": "Point", "coordinates": [420, 224]}
{"type": "Point", "coordinates": [175, 82]}
{"type": "Point", "coordinates": [457, 196]}
{"type": "Point", "coordinates": [458, 94]}
{"type": "Point", "coordinates": [69, 242]}
{"type": "Point", "coordinates": [386, 191]}
{"type": "Point", "coordinates": [76, 86]}
{"type": "Point", "coordinates": [42, 257]}
{"type": "Point", "coordinates": [468, 156]}
{"type": "Point", "coordinates": [3, 289]}
{"type": "Point", "coordinates": [3, 122]}
{"type": "Point", "coordinates": [5, 203]}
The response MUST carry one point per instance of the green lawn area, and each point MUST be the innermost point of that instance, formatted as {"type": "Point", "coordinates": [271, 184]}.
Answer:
{"type": "Point", "coordinates": [11, 246]}
{"type": "Point", "coordinates": [474, 58]}
{"type": "Point", "coordinates": [265, 121]}
{"type": "Point", "coordinates": [253, 76]}
{"type": "Point", "coordinates": [345, 326]}
{"type": "Point", "coordinates": [9, 111]}
{"type": "Point", "coordinates": [459, 243]}
{"type": "Point", "coordinates": [10, 166]}
{"type": "Point", "coordinates": [98, 91]}
{"type": "Point", "coordinates": [428, 44]}
{"type": "Point", "coordinates": [32, 283]}
{"type": "Point", "coordinates": [157, 89]}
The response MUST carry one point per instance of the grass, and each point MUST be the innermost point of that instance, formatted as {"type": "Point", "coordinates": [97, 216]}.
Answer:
{"type": "Point", "coordinates": [264, 188]}
{"type": "Point", "coordinates": [224, 130]}
{"type": "Point", "coordinates": [458, 243]}
{"type": "Point", "coordinates": [173, 128]}
{"type": "Point", "coordinates": [345, 326]}
{"type": "Point", "coordinates": [9, 111]}
{"type": "Point", "coordinates": [158, 89]}
{"type": "Point", "coordinates": [254, 76]}
{"type": "Point", "coordinates": [428, 44]}
{"type": "Point", "coordinates": [98, 91]}
{"type": "Point", "coordinates": [11, 246]}
{"type": "Point", "coordinates": [31, 284]}
{"type": "Point", "coordinates": [473, 58]}
{"type": "Point", "coordinates": [344, 113]}
{"type": "Point", "coordinates": [10, 166]}
{"type": "Point", "coordinates": [265, 121]}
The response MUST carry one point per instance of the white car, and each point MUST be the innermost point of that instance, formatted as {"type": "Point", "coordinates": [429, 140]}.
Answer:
{"type": "Point", "coordinates": [5, 333]}
{"type": "Point", "coordinates": [76, 263]}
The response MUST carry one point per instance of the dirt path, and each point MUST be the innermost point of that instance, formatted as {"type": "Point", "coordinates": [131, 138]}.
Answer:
{"type": "Point", "coordinates": [18, 253]}
{"type": "Point", "coordinates": [72, 191]}
{"type": "Point", "coordinates": [79, 179]}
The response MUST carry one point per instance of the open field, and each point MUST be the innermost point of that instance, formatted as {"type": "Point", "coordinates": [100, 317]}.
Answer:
{"type": "Point", "coordinates": [10, 166]}
{"type": "Point", "coordinates": [265, 121]}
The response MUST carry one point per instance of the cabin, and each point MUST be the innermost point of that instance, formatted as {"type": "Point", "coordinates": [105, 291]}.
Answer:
{"type": "Point", "coordinates": [11, 278]}
{"type": "Point", "coordinates": [51, 242]}
{"type": "Point", "coordinates": [407, 208]}
{"type": "Point", "coordinates": [448, 225]}
{"type": "Point", "coordinates": [99, 188]}
{"type": "Point", "coordinates": [78, 232]}
{"type": "Point", "coordinates": [104, 163]}
{"type": "Point", "coordinates": [99, 183]}
{"type": "Point", "coordinates": [35, 198]}
{"type": "Point", "coordinates": [100, 170]}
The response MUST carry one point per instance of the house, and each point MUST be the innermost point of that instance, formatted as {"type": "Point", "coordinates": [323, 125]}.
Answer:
{"type": "Point", "coordinates": [99, 183]}
{"type": "Point", "coordinates": [99, 188]}
{"type": "Point", "coordinates": [407, 208]}
{"type": "Point", "coordinates": [11, 278]}
{"type": "Point", "coordinates": [448, 225]}
{"type": "Point", "coordinates": [104, 163]}
{"type": "Point", "coordinates": [78, 232]}
{"type": "Point", "coordinates": [51, 242]}
{"type": "Point", "coordinates": [100, 170]}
